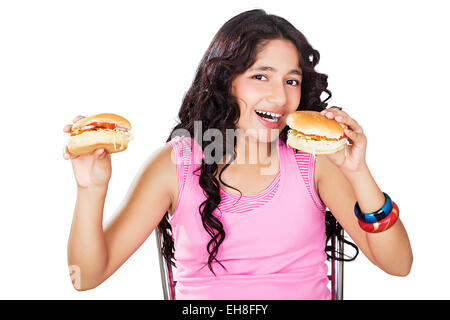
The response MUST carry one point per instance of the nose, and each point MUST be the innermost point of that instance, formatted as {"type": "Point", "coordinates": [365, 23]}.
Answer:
{"type": "Point", "coordinates": [277, 94]}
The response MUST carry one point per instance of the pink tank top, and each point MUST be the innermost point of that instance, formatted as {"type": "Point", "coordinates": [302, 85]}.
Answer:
{"type": "Point", "coordinates": [274, 240]}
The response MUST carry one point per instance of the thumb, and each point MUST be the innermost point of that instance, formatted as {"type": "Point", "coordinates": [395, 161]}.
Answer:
{"type": "Point", "coordinates": [100, 153]}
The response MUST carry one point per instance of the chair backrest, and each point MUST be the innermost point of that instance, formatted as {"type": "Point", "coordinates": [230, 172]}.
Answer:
{"type": "Point", "coordinates": [165, 268]}
{"type": "Point", "coordinates": [335, 235]}
{"type": "Point", "coordinates": [336, 249]}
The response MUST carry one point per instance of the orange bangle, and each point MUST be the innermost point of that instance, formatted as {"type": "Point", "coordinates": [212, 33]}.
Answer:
{"type": "Point", "coordinates": [384, 224]}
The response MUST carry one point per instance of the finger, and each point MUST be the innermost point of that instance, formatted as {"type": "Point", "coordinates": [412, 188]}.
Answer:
{"type": "Point", "coordinates": [354, 137]}
{"type": "Point", "coordinates": [333, 112]}
{"type": "Point", "coordinates": [350, 123]}
{"type": "Point", "coordinates": [100, 153]}
{"type": "Point", "coordinates": [349, 133]}
{"type": "Point", "coordinates": [351, 136]}
{"type": "Point", "coordinates": [67, 128]}
{"type": "Point", "coordinates": [104, 155]}
{"type": "Point", "coordinates": [341, 117]}
{"type": "Point", "coordinates": [78, 118]}
{"type": "Point", "coordinates": [67, 155]}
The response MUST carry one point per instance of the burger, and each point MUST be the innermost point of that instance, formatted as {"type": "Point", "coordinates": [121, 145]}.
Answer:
{"type": "Point", "coordinates": [105, 130]}
{"type": "Point", "coordinates": [314, 133]}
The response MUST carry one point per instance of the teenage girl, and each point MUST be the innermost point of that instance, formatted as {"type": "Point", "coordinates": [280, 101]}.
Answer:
{"type": "Point", "coordinates": [241, 225]}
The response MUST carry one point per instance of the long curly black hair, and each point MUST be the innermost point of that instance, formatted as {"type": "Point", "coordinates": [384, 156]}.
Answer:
{"type": "Point", "coordinates": [232, 51]}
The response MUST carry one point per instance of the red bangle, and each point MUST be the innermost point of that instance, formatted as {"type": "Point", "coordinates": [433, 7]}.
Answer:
{"type": "Point", "coordinates": [384, 224]}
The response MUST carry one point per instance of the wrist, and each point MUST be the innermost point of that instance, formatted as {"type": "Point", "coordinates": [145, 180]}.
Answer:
{"type": "Point", "coordinates": [361, 171]}
{"type": "Point", "coordinates": [92, 189]}
{"type": "Point", "coordinates": [366, 190]}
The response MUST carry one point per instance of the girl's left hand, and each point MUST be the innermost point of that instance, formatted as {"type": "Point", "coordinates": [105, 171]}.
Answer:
{"type": "Point", "coordinates": [354, 159]}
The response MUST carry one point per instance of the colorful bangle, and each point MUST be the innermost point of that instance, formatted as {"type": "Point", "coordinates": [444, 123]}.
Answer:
{"type": "Point", "coordinates": [377, 215]}
{"type": "Point", "coordinates": [384, 224]}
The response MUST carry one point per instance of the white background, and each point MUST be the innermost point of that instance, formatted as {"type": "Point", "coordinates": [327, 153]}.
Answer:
{"type": "Point", "coordinates": [387, 63]}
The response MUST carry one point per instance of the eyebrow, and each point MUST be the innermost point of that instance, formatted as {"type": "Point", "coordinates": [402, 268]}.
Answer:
{"type": "Point", "coordinates": [269, 68]}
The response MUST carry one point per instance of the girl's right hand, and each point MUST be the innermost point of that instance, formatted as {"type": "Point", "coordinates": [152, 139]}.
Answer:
{"type": "Point", "coordinates": [91, 171]}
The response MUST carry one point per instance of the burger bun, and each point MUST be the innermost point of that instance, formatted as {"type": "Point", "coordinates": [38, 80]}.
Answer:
{"type": "Point", "coordinates": [112, 140]}
{"type": "Point", "coordinates": [304, 124]}
{"type": "Point", "coordinates": [319, 148]}
{"type": "Point", "coordinates": [312, 122]}
{"type": "Point", "coordinates": [87, 142]}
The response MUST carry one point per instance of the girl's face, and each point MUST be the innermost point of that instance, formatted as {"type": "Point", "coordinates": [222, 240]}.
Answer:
{"type": "Point", "coordinates": [272, 84]}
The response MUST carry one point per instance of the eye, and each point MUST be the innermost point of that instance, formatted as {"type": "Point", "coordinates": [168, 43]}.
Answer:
{"type": "Point", "coordinates": [259, 77]}
{"type": "Point", "coordinates": [293, 82]}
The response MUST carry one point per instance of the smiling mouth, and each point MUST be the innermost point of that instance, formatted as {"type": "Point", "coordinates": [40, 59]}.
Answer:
{"type": "Point", "coordinates": [269, 116]}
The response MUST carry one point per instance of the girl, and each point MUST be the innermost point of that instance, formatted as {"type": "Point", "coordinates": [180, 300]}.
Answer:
{"type": "Point", "coordinates": [242, 216]}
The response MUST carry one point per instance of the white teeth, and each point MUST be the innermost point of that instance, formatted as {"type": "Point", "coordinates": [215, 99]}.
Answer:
{"type": "Point", "coordinates": [275, 115]}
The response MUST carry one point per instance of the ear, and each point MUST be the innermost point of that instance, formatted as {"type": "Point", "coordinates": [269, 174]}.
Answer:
{"type": "Point", "coordinates": [233, 89]}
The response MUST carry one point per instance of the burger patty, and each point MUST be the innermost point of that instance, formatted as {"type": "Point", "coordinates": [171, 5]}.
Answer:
{"type": "Point", "coordinates": [313, 137]}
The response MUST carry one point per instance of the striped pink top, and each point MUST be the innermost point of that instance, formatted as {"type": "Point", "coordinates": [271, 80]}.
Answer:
{"type": "Point", "coordinates": [274, 242]}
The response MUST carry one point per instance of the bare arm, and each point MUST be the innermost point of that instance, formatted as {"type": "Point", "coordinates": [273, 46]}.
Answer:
{"type": "Point", "coordinates": [148, 199]}
{"type": "Point", "coordinates": [389, 250]}
{"type": "Point", "coordinates": [86, 247]}
{"type": "Point", "coordinates": [344, 178]}
{"type": "Point", "coordinates": [98, 252]}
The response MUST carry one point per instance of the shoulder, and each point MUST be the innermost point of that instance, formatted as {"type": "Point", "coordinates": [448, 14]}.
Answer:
{"type": "Point", "coordinates": [310, 167]}
{"type": "Point", "coordinates": [307, 165]}
{"type": "Point", "coordinates": [322, 165]}
{"type": "Point", "coordinates": [332, 186]}
{"type": "Point", "coordinates": [160, 168]}
{"type": "Point", "coordinates": [325, 171]}
{"type": "Point", "coordinates": [185, 150]}
{"type": "Point", "coordinates": [327, 177]}
{"type": "Point", "coordinates": [337, 194]}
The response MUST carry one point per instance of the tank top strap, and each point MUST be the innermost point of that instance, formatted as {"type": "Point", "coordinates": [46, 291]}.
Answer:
{"type": "Point", "coordinates": [182, 156]}
{"type": "Point", "coordinates": [304, 164]}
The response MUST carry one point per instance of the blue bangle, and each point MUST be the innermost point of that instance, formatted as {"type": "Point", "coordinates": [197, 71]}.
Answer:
{"type": "Point", "coordinates": [377, 215]}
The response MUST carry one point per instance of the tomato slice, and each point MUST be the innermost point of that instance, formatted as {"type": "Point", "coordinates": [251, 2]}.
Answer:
{"type": "Point", "coordinates": [106, 125]}
{"type": "Point", "coordinates": [321, 137]}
